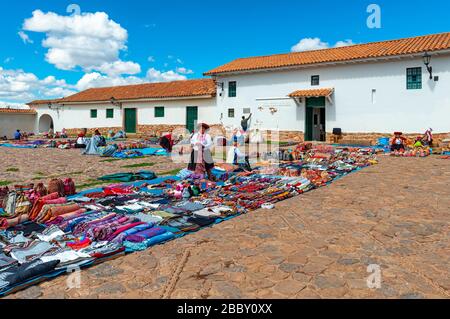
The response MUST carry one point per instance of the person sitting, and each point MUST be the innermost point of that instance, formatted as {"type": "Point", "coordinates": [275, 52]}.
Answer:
{"type": "Point", "coordinates": [81, 139]}
{"type": "Point", "coordinates": [18, 135]}
{"type": "Point", "coordinates": [238, 158]}
{"type": "Point", "coordinates": [51, 133]}
{"type": "Point", "coordinates": [166, 142]}
{"type": "Point", "coordinates": [398, 142]}
{"type": "Point", "coordinates": [63, 133]}
{"type": "Point", "coordinates": [101, 140]}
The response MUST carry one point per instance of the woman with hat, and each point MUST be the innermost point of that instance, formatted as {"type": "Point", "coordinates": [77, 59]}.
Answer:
{"type": "Point", "coordinates": [201, 157]}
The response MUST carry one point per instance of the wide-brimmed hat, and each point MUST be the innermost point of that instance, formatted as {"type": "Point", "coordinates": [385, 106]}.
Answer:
{"type": "Point", "coordinates": [203, 125]}
{"type": "Point", "coordinates": [398, 133]}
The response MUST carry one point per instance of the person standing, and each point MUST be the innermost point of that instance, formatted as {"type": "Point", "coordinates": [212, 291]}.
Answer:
{"type": "Point", "coordinates": [201, 158]}
{"type": "Point", "coordinates": [244, 122]}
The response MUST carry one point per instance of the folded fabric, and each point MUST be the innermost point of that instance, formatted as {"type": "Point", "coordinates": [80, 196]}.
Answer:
{"type": "Point", "coordinates": [149, 218]}
{"type": "Point", "coordinates": [149, 242]}
{"type": "Point", "coordinates": [120, 235]}
{"type": "Point", "coordinates": [50, 234]}
{"type": "Point", "coordinates": [20, 274]}
{"type": "Point", "coordinates": [66, 257]}
{"type": "Point", "coordinates": [122, 229]}
{"type": "Point", "coordinates": [146, 234]}
{"type": "Point", "coordinates": [11, 222]}
{"type": "Point", "coordinates": [7, 262]}
{"type": "Point", "coordinates": [32, 251]}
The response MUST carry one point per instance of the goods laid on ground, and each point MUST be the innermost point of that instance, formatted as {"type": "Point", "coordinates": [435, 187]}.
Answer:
{"type": "Point", "coordinates": [46, 231]}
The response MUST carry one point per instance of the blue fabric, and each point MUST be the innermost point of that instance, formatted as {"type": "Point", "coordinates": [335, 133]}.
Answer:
{"type": "Point", "coordinates": [149, 242]}
{"type": "Point", "coordinates": [18, 146]}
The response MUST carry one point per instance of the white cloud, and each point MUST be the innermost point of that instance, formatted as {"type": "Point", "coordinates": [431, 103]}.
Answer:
{"type": "Point", "coordinates": [25, 38]}
{"type": "Point", "coordinates": [154, 75]}
{"type": "Point", "coordinates": [18, 85]}
{"type": "Point", "coordinates": [309, 44]}
{"type": "Point", "coordinates": [91, 41]}
{"type": "Point", "coordinates": [344, 43]}
{"type": "Point", "coordinates": [8, 60]}
{"type": "Point", "coordinates": [4, 105]}
{"type": "Point", "coordinates": [120, 67]}
{"type": "Point", "coordinates": [183, 70]}
{"type": "Point", "coordinates": [151, 59]}
{"type": "Point", "coordinates": [179, 61]}
{"type": "Point", "coordinates": [95, 79]}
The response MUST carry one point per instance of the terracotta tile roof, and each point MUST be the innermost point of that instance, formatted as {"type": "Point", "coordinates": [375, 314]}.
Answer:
{"type": "Point", "coordinates": [312, 93]}
{"type": "Point", "coordinates": [17, 111]}
{"type": "Point", "coordinates": [187, 88]}
{"type": "Point", "coordinates": [40, 102]}
{"type": "Point", "coordinates": [429, 43]}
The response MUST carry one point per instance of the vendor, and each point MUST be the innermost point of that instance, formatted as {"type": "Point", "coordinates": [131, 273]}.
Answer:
{"type": "Point", "coordinates": [18, 135]}
{"type": "Point", "coordinates": [201, 157]}
{"type": "Point", "coordinates": [81, 139]}
{"type": "Point", "coordinates": [398, 142]}
{"type": "Point", "coordinates": [166, 142]}
{"type": "Point", "coordinates": [64, 133]}
{"type": "Point", "coordinates": [101, 140]}
{"type": "Point", "coordinates": [428, 138]}
{"type": "Point", "coordinates": [238, 158]}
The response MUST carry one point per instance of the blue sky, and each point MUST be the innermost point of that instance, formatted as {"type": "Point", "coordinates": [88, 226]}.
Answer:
{"type": "Point", "coordinates": [182, 39]}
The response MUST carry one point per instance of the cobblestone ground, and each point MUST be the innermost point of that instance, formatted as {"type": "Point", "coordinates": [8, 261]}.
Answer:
{"type": "Point", "coordinates": [318, 245]}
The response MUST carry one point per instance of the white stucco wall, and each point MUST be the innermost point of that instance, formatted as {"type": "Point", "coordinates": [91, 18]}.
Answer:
{"type": "Point", "coordinates": [9, 123]}
{"type": "Point", "coordinates": [79, 116]}
{"type": "Point", "coordinates": [395, 107]}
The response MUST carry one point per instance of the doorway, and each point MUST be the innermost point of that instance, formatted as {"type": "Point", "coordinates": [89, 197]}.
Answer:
{"type": "Point", "coordinates": [315, 119]}
{"type": "Point", "coordinates": [130, 122]}
{"type": "Point", "coordinates": [191, 117]}
{"type": "Point", "coordinates": [45, 123]}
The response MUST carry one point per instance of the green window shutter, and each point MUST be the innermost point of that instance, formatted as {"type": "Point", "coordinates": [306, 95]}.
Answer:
{"type": "Point", "coordinates": [231, 113]}
{"type": "Point", "coordinates": [414, 78]}
{"type": "Point", "coordinates": [159, 111]}
{"type": "Point", "coordinates": [109, 113]}
{"type": "Point", "coordinates": [315, 80]}
{"type": "Point", "coordinates": [94, 114]}
{"type": "Point", "coordinates": [232, 89]}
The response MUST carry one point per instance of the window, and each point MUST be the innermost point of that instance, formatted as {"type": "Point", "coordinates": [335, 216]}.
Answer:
{"type": "Point", "coordinates": [315, 80]}
{"type": "Point", "coordinates": [109, 113]}
{"type": "Point", "coordinates": [93, 114]}
{"type": "Point", "coordinates": [231, 113]}
{"type": "Point", "coordinates": [414, 78]}
{"type": "Point", "coordinates": [247, 110]}
{"type": "Point", "coordinates": [232, 89]}
{"type": "Point", "coordinates": [159, 111]}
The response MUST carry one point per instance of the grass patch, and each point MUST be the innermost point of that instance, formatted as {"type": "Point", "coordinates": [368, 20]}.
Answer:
{"type": "Point", "coordinates": [170, 173]}
{"type": "Point", "coordinates": [5, 183]}
{"type": "Point", "coordinates": [111, 160]}
{"type": "Point", "coordinates": [139, 165]}
{"type": "Point", "coordinates": [39, 173]}
{"type": "Point", "coordinates": [12, 169]}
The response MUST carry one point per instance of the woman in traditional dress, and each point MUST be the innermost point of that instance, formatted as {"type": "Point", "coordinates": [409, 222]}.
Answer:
{"type": "Point", "coordinates": [201, 157]}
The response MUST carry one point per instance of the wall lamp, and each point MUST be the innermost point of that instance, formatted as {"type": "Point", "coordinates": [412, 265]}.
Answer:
{"type": "Point", "coordinates": [427, 61]}
{"type": "Point", "coordinates": [115, 102]}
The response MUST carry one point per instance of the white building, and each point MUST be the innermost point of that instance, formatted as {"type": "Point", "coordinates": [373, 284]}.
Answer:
{"type": "Point", "coordinates": [12, 120]}
{"type": "Point", "coordinates": [377, 87]}
{"type": "Point", "coordinates": [382, 87]}
{"type": "Point", "coordinates": [153, 108]}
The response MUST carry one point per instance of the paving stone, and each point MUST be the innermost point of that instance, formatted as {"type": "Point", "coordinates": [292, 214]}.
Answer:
{"type": "Point", "coordinates": [290, 268]}
{"type": "Point", "coordinates": [289, 287]}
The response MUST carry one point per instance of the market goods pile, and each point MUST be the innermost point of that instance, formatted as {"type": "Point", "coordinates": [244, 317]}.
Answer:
{"type": "Point", "coordinates": [48, 230]}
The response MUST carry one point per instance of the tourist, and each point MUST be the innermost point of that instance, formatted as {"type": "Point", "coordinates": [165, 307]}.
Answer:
{"type": "Point", "coordinates": [18, 135]}
{"type": "Point", "coordinates": [201, 157]}
{"type": "Point", "coordinates": [244, 122]}
{"type": "Point", "coordinates": [238, 158]}
{"type": "Point", "coordinates": [81, 139]}
{"type": "Point", "coordinates": [398, 142]}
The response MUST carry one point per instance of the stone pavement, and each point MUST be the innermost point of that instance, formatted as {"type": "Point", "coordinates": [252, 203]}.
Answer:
{"type": "Point", "coordinates": [395, 215]}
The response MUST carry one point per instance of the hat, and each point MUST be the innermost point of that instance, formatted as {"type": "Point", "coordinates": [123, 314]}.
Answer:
{"type": "Point", "coordinates": [203, 125]}
{"type": "Point", "coordinates": [398, 133]}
